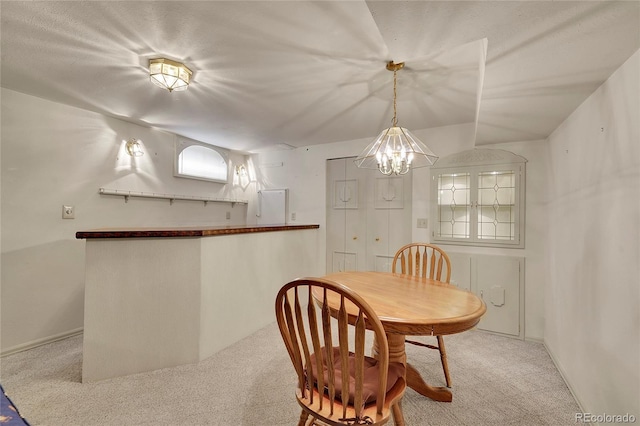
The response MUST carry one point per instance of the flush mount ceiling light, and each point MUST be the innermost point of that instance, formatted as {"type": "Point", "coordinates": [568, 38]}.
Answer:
{"type": "Point", "coordinates": [395, 150]}
{"type": "Point", "coordinates": [168, 74]}
{"type": "Point", "coordinates": [133, 148]}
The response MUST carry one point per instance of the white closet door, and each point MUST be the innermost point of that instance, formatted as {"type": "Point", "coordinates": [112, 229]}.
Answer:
{"type": "Point", "coordinates": [368, 217]}
{"type": "Point", "coordinates": [389, 227]}
{"type": "Point", "coordinates": [346, 216]}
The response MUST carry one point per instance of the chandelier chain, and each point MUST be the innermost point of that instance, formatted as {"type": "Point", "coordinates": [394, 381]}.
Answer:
{"type": "Point", "coordinates": [395, 112]}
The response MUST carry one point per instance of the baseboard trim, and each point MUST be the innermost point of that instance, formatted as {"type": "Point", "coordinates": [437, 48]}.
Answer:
{"type": "Point", "coordinates": [497, 333]}
{"type": "Point", "coordinates": [564, 377]}
{"type": "Point", "coordinates": [40, 342]}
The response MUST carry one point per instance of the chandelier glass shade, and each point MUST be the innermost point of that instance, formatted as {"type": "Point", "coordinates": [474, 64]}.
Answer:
{"type": "Point", "coordinates": [168, 74]}
{"type": "Point", "coordinates": [395, 150]}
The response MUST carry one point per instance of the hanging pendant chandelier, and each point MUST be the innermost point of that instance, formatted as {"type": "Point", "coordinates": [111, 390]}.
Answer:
{"type": "Point", "coordinates": [395, 150]}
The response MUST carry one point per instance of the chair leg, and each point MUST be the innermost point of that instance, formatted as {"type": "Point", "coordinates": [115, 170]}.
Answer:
{"type": "Point", "coordinates": [443, 358]}
{"type": "Point", "coordinates": [398, 416]}
{"type": "Point", "coordinates": [303, 418]}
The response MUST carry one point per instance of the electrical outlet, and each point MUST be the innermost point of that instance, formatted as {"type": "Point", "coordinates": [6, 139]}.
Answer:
{"type": "Point", "coordinates": [228, 215]}
{"type": "Point", "coordinates": [293, 216]}
{"type": "Point", "coordinates": [68, 212]}
{"type": "Point", "coordinates": [422, 223]}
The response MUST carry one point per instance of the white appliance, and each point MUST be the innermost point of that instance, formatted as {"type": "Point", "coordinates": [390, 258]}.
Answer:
{"type": "Point", "coordinates": [272, 206]}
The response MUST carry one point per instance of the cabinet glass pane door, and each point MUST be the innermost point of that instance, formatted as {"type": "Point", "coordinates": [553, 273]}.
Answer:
{"type": "Point", "coordinates": [496, 205]}
{"type": "Point", "coordinates": [454, 205]}
{"type": "Point", "coordinates": [477, 199]}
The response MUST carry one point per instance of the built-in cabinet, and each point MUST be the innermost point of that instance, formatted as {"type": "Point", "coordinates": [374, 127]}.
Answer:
{"type": "Point", "coordinates": [478, 199]}
{"type": "Point", "coordinates": [499, 281]}
{"type": "Point", "coordinates": [368, 217]}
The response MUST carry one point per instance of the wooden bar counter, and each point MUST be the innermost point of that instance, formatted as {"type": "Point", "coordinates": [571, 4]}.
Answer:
{"type": "Point", "coordinates": [163, 297]}
{"type": "Point", "coordinates": [189, 231]}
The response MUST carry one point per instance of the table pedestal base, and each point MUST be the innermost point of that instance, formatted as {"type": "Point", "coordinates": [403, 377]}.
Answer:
{"type": "Point", "coordinates": [414, 380]}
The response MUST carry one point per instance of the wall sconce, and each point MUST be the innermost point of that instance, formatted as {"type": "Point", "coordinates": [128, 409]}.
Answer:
{"type": "Point", "coordinates": [241, 170]}
{"type": "Point", "coordinates": [133, 148]}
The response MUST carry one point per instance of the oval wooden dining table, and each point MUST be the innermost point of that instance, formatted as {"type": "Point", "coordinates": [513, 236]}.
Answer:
{"type": "Point", "coordinates": [408, 305]}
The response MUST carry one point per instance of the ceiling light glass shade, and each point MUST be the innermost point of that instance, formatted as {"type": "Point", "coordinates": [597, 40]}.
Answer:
{"type": "Point", "coordinates": [169, 74]}
{"type": "Point", "coordinates": [396, 151]}
{"type": "Point", "coordinates": [133, 148]}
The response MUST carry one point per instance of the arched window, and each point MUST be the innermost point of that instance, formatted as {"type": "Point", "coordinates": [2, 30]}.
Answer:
{"type": "Point", "coordinates": [478, 198]}
{"type": "Point", "coordinates": [197, 160]}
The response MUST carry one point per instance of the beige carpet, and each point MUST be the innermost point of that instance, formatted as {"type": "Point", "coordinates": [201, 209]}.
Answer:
{"type": "Point", "coordinates": [496, 381]}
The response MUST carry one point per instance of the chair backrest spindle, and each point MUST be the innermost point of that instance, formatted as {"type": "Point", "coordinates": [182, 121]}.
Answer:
{"type": "Point", "coordinates": [430, 262]}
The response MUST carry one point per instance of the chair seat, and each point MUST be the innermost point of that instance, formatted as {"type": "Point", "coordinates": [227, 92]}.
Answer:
{"type": "Point", "coordinates": [396, 371]}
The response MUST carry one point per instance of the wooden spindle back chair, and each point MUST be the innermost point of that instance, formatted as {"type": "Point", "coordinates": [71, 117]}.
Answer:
{"type": "Point", "coordinates": [422, 260]}
{"type": "Point", "coordinates": [323, 326]}
{"type": "Point", "coordinates": [426, 261]}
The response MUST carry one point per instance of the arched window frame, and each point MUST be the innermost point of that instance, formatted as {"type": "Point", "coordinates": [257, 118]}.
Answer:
{"type": "Point", "coordinates": [467, 170]}
{"type": "Point", "coordinates": [219, 153]}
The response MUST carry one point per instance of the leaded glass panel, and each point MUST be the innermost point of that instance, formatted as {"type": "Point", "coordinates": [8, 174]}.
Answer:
{"type": "Point", "coordinates": [496, 205]}
{"type": "Point", "coordinates": [454, 205]}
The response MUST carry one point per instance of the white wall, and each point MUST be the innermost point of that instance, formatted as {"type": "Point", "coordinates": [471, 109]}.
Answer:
{"type": "Point", "coordinates": [303, 170]}
{"type": "Point", "coordinates": [592, 303]}
{"type": "Point", "coordinates": [52, 155]}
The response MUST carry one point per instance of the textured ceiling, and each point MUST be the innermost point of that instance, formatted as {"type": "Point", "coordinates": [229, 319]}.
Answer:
{"type": "Point", "coordinates": [268, 73]}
